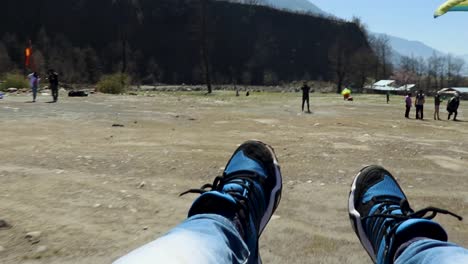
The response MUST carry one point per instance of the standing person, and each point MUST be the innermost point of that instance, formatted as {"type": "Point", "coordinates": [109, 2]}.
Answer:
{"type": "Point", "coordinates": [34, 83]}
{"type": "Point", "coordinates": [54, 82]}
{"type": "Point", "coordinates": [452, 106]}
{"type": "Point", "coordinates": [437, 102]}
{"type": "Point", "coordinates": [388, 97]}
{"type": "Point", "coordinates": [409, 103]}
{"type": "Point", "coordinates": [419, 103]}
{"type": "Point", "coordinates": [305, 96]}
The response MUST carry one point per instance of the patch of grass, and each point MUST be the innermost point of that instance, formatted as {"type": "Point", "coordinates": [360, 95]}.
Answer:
{"type": "Point", "coordinates": [116, 83]}
{"type": "Point", "coordinates": [13, 80]}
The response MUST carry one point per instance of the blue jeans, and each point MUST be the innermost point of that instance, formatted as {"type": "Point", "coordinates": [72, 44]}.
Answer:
{"type": "Point", "coordinates": [207, 239]}
{"type": "Point", "coordinates": [430, 251]}
{"type": "Point", "coordinates": [213, 239]}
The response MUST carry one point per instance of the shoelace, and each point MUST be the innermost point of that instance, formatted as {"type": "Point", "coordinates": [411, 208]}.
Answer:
{"type": "Point", "coordinates": [246, 181]}
{"type": "Point", "coordinates": [406, 214]}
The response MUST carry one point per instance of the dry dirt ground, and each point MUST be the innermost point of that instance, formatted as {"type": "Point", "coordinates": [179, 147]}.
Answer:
{"type": "Point", "coordinates": [67, 173]}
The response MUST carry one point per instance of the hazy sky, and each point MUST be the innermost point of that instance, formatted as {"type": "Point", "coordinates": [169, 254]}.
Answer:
{"type": "Point", "coordinates": [409, 19]}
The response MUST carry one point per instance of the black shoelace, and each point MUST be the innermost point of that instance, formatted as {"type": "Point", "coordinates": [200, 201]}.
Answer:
{"type": "Point", "coordinates": [246, 181]}
{"type": "Point", "coordinates": [386, 209]}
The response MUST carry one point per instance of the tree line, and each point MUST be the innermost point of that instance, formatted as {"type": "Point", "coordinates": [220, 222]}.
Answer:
{"type": "Point", "coordinates": [188, 41]}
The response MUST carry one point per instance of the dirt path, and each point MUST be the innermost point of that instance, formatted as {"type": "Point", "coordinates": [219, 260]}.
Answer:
{"type": "Point", "coordinates": [66, 172]}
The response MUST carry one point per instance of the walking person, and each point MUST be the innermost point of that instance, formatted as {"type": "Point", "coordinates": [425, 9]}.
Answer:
{"type": "Point", "coordinates": [388, 97]}
{"type": "Point", "coordinates": [305, 96]}
{"type": "Point", "coordinates": [34, 83]}
{"type": "Point", "coordinates": [437, 102]}
{"type": "Point", "coordinates": [452, 106]}
{"type": "Point", "coordinates": [419, 102]}
{"type": "Point", "coordinates": [409, 103]}
{"type": "Point", "coordinates": [54, 83]}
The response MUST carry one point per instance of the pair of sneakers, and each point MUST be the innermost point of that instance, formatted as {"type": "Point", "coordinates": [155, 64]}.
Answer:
{"type": "Point", "coordinates": [249, 192]}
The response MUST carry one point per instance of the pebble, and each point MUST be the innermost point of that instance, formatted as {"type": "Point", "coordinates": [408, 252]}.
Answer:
{"type": "Point", "coordinates": [141, 185]}
{"type": "Point", "coordinates": [41, 249]}
{"type": "Point", "coordinates": [4, 224]}
{"type": "Point", "coordinates": [309, 181]}
{"type": "Point", "coordinates": [322, 184]}
{"type": "Point", "coordinates": [145, 228]}
{"type": "Point", "coordinates": [33, 237]}
{"type": "Point", "coordinates": [275, 217]}
{"type": "Point", "coordinates": [97, 205]}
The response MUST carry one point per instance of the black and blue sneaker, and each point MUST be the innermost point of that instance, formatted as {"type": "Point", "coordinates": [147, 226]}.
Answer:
{"type": "Point", "coordinates": [382, 217]}
{"type": "Point", "coordinates": [248, 192]}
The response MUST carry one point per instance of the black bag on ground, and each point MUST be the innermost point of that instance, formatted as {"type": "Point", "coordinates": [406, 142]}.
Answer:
{"type": "Point", "coordinates": [77, 94]}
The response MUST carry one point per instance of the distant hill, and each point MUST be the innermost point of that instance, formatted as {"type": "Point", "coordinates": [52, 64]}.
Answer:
{"type": "Point", "coordinates": [293, 5]}
{"type": "Point", "coordinates": [297, 5]}
{"type": "Point", "coordinates": [404, 47]}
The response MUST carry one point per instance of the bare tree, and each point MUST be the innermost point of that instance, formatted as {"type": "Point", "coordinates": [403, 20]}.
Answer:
{"type": "Point", "coordinates": [383, 51]}
{"type": "Point", "coordinates": [5, 61]}
{"type": "Point", "coordinates": [128, 10]}
{"type": "Point", "coordinates": [200, 27]}
{"type": "Point", "coordinates": [362, 62]}
{"type": "Point", "coordinates": [340, 58]}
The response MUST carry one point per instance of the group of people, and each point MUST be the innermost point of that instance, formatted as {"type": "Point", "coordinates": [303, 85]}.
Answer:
{"type": "Point", "coordinates": [53, 79]}
{"type": "Point", "coordinates": [420, 100]}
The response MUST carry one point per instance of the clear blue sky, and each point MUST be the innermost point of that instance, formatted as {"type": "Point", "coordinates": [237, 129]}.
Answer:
{"type": "Point", "coordinates": [409, 19]}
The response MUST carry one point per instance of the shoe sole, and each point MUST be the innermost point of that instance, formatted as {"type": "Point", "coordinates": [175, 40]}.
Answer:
{"type": "Point", "coordinates": [275, 195]}
{"type": "Point", "coordinates": [355, 216]}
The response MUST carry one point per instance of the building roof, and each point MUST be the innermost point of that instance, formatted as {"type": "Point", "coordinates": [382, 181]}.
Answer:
{"type": "Point", "coordinates": [384, 83]}
{"type": "Point", "coordinates": [407, 87]}
{"type": "Point", "coordinates": [462, 90]}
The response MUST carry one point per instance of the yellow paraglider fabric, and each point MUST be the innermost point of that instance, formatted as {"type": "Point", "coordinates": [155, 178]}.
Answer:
{"type": "Point", "coordinates": [450, 6]}
{"type": "Point", "coordinates": [346, 91]}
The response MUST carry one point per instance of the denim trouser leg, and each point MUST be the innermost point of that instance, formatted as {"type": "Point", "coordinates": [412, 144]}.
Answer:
{"type": "Point", "coordinates": [34, 91]}
{"type": "Point", "coordinates": [207, 239]}
{"type": "Point", "coordinates": [429, 251]}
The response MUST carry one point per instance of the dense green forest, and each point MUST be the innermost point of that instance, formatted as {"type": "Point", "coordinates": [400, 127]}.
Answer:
{"type": "Point", "coordinates": [162, 41]}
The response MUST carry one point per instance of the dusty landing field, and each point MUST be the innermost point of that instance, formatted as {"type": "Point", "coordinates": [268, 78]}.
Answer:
{"type": "Point", "coordinates": [66, 172]}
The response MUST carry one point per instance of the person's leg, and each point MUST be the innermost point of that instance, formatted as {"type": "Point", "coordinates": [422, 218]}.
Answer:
{"type": "Point", "coordinates": [408, 108]}
{"type": "Point", "coordinates": [422, 112]}
{"type": "Point", "coordinates": [208, 238]}
{"type": "Point", "coordinates": [429, 251]}
{"type": "Point", "coordinates": [308, 105]}
{"type": "Point", "coordinates": [449, 115]}
{"type": "Point", "coordinates": [55, 93]}
{"type": "Point", "coordinates": [226, 221]}
{"type": "Point", "coordinates": [455, 116]}
{"type": "Point", "coordinates": [384, 221]}
{"type": "Point", "coordinates": [34, 91]}
{"type": "Point", "coordinates": [417, 112]}
{"type": "Point", "coordinates": [303, 103]}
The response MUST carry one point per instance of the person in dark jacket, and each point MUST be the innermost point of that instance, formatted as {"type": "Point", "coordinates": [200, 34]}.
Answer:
{"type": "Point", "coordinates": [452, 106]}
{"type": "Point", "coordinates": [305, 96]}
{"type": "Point", "coordinates": [419, 102]}
{"type": "Point", "coordinates": [54, 83]}
{"type": "Point", "coordinates": [437, 102]}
